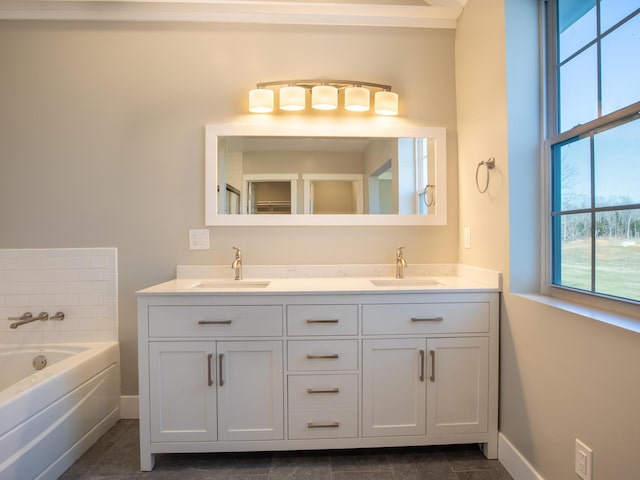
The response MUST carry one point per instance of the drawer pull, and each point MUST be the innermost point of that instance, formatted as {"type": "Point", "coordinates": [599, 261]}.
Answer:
{"type": "Point", "coordinates": [328, 320]}
{"type": "Point", "coordinates": [432, 354]}
{"type": "Point", "coordinates": [421, 366]}
{"type": "Point", "coordinates": [214, 322]}
{"type": "Point", "coordinates": [427, 319]}
{"type": "Point", "coordinates": [220, 357]}
{"type": "Point", "coordinates": [321, 390]}
{"type": "Point", "coordinates": [315, 356]}
{"type": "Point", "coordinates": [209, 358]}
{"type": "Point", "coordinates": [323, 425]}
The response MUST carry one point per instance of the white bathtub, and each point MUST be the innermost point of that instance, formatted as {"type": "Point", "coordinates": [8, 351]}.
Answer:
{"type": "Point", "coordinates": [48, 418]}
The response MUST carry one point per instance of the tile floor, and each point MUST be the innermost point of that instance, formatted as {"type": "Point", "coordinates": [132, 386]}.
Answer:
{"type": "Point", "coordinates": [116, 456]}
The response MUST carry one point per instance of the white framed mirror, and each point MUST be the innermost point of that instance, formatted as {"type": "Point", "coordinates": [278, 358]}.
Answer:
{"type": "Point", "coordinates": [321, 174]}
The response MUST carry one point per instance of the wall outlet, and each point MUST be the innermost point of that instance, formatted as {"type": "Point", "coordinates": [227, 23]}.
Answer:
{"type": "Point", "coordinates": [584, 460]}
{"type": "Point", "coordinates": [467, 237]}
{"type": "Point", "coordinates": [199, 239]}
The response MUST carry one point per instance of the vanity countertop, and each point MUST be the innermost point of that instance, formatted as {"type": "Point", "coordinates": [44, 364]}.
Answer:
{"type": "Point", "coordinates": [457, 278]}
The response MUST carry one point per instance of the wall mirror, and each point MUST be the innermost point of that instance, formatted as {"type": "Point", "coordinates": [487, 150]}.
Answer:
{"type": "Point", "coordinates": [325, 175]}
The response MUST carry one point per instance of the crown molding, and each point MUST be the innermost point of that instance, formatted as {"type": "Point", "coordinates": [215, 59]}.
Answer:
{"type": "Point", "coordinates": [233, 11]}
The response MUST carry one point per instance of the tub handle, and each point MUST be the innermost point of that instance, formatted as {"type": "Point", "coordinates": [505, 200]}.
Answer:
{"type": "Point", "coordinates": [24, 316]}
{"type": "Point", "coordinates": [57, 316]}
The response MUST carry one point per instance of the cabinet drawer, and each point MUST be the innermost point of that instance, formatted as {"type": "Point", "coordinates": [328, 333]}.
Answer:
{"type": "Point", "coordinates": [323, 391]}
{"type": "Point", "coordinates": [323, 423]}
{"type": "Point", "coordinates": [427, 318]}
{"type": "Point", "coordinates": [312, 355]}
{"type": "Point", "coordinates": [322, 320]}
{"type": "Point", "coordinates": [215, 321]}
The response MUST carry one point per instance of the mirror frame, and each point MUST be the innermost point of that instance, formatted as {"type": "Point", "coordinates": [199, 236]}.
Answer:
{"type": "Point", "coordinates": [213, 132]}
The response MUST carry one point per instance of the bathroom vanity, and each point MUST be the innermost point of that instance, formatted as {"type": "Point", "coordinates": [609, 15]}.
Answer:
{"type": "Point", "coordinates": [317, 363]}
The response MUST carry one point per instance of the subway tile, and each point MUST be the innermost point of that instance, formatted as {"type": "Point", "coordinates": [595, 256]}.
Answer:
{"type": "Point", "coordinates": [83, 261]}
{"type": "Point", "coordinates": [42, 301]}
{"type": "Point", "coordinates": [53, 263]}
{"type": "Point", "coordinates": [65, 275]}
{"type": "Point", "coordinates": [29, 287]}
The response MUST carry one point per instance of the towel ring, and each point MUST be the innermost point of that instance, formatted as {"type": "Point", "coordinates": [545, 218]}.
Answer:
{"type": "Point", "coordinates": [490, 164]}
{"type": "Point", "coordinates": [429, 201]}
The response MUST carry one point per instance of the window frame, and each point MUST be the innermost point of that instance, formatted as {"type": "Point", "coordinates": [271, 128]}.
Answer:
{"type": "Point", "coordinates": [554, 137]}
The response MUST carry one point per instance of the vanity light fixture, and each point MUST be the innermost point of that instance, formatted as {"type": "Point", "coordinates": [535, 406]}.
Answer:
{"type": "Point", "coordinates": [324, 96]}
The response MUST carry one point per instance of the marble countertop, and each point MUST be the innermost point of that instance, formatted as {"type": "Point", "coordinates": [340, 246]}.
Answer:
{"type": "Point", "coordinates": [343, 279]}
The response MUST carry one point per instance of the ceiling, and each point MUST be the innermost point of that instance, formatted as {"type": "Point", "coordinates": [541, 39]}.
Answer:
{"type": "Point", "coordinates": [378, 13]}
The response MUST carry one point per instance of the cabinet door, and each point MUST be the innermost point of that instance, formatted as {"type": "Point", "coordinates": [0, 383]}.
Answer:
{"type": "Point", "coordinates": [182, 389]}
{"type": "Point", "coordinates": [393, 385]}
{"type": "Point", "coordinates": [457, 385]}
{"type": "Point", "coordinates": [250, 390]}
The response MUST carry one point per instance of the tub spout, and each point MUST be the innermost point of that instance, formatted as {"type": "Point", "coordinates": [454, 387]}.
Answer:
{"type": "Point", "coordinates": [28, 318]}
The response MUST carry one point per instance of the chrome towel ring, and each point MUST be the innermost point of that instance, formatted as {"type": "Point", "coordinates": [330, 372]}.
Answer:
{"type": "Point", "coordinates": [490, 164]}
{"type": "Point", "coordinates": [429, 197]}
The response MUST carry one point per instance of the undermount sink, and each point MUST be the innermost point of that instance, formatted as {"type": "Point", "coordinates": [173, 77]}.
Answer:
{"type": "Point", "coordinates": [212, 284]}
{"type": "Point", "coordinates": [405, 282]}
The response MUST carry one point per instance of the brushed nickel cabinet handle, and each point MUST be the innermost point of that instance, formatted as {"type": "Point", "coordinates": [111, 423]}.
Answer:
{"type": "Point", "coordinates": [322, 390]}
{"type": "Point", "coordinates": [221, 380]}
{"type": "Point", "coordinates": [421, 366]}
{"type": "Point", "coordinates": [313, 356]}
{"type": "Point", "coordinates": [328, 320]}
{"type": "Point", "coordinates": [323, 425]}
{"type": "Point", "coordinates": [209, 358]}
{"type": "Point", "coordinates": [214, 322]}
{"type": "Point", "coordinates": [432, 354]}
{"type": "Point", "coordinates": [427, 319]}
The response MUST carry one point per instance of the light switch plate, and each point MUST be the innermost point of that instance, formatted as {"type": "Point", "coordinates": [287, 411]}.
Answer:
{"type": "Point", "coordinates": [199, 239]}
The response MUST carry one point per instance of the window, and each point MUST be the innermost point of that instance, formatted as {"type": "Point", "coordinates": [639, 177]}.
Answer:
{"type": "Point", "coordinates": [594, 145]}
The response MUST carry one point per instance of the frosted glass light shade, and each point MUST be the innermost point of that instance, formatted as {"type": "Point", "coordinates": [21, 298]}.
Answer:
{"type": "Point", "coordinates": [386, 103]}
{"type": "Point", "coordinates": [292, 98]}
{"type": "Point", "coordinates": [324, 97]}
{"type": "Point", "coordinates": [261, 100]}
{"type": "Point", "coordinates": [357, 99]}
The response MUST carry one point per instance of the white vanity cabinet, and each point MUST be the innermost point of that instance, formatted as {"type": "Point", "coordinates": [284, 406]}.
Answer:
{"type": "Point", "coordinates": [252, 371]}
{"type": "Point", "coordinates": [428, 383]}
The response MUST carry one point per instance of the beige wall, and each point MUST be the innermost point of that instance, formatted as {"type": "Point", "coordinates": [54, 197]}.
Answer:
{"type": "Point", "coordinates": [102, 139]}
{"type": "Point", "coordinates": [563, 376]}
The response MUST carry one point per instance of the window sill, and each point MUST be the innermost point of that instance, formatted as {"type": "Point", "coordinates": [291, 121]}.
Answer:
{"type": "Point", "coordinates": [627, 322]}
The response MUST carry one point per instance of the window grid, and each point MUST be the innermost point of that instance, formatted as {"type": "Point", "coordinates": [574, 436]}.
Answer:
{"type": "Point", "coordinates": [589, 130]}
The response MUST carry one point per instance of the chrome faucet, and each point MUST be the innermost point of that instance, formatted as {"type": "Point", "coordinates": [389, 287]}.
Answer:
{"type": "Point", "coordinates": [27, 318]}
{"type": "Point", "coordinates": [400, 263]}
{"type": "Point", "coordinates": [237, 263]}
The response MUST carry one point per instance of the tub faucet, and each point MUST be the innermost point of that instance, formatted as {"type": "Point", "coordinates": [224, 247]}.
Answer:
{"type": "Point", "coordinates": [28, 318]}
{"type": "Point", "coordinates": [237, 263]}
{"type": "Point", "coordinates": [400, 263]}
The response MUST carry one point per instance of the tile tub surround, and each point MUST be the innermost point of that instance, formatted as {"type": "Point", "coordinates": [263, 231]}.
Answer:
{"type": "Point", "coordinates": [116, 456]}
{"type": "Point", "coordinates": [81, 282]}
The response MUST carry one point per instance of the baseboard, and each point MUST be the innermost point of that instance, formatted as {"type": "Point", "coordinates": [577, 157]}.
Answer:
{"type": "Point", "coordinates": [129, 406]}
{"type": "Point", "coordinates": [511, 459]}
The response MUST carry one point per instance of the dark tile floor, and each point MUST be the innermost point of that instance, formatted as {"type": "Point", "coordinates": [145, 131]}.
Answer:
{"type": "Point", "coordinates": [116, 456]}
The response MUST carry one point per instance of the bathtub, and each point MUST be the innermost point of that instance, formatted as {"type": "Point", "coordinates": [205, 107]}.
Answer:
{"type": "Point", "coordinates": [49, 417]}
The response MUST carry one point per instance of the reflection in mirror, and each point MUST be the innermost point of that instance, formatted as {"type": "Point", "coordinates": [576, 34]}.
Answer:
{"type": "Point", "coordinates": [289, 175]}
{"type": "Point", "coordinates": [321, 174]}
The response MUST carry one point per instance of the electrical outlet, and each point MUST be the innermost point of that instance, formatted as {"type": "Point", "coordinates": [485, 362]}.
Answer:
{"type": "Point", "coordinates": [199, 239]}
{"type": "Point", "coordinates": [467, 237]}
{"type": "Point", "coordinates": [584, 461]}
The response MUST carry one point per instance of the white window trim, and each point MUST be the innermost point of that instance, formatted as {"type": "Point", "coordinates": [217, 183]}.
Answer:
{"type": "Point", "coordinates": [624, 313]}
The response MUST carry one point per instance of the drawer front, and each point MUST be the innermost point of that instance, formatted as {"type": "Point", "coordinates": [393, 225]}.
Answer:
{"type": "Point", "coordinates": [322, 320]}
{"type": "Point", "coordinates": [215, 321]}
{"type": "Point", "coordinates": [426, 318]}
{"type": "Point", "coordinates": [323, 391]}
{"type": "Point", "coordinates": [323, 423]}
{"type": "Point", "coordinates": [312, 355]}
